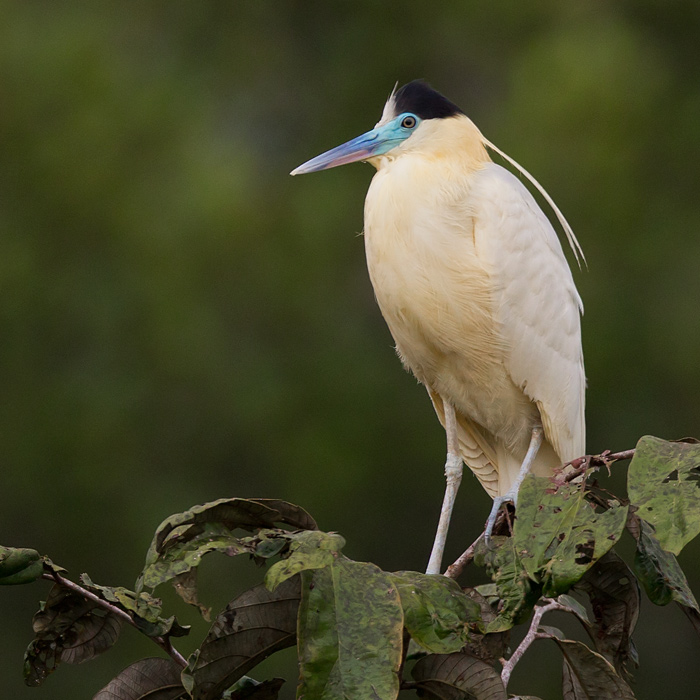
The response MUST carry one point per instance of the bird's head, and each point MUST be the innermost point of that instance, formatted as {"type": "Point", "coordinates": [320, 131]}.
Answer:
{"type": "Point", "coordinates": [414, 117]}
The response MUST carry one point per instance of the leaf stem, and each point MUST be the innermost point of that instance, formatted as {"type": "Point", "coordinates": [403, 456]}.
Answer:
{"type": "Point", "coordinates": [163, 642]}
{"type": "Point", "coordinates": [529, 638]}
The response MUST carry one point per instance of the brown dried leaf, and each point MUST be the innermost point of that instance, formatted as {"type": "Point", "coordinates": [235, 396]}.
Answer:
{"type": "Point", "coordinates": [589, 676]}
{"type": "Point", "coordinates": [148, 679]}
{"type": "Point", "coordinates": [459, 676]}
{"type": "Point", "coordinates": [68, 628]}
{"type": "Point", "coordinates": [251, 627]}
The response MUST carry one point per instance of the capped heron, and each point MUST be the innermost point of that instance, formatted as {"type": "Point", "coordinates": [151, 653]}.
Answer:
{"type": "Point", "coordinates": [473, 283]}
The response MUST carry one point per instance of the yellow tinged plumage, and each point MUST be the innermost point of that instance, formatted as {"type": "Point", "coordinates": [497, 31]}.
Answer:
{"type": "Point", "coordinates": [473, 284]}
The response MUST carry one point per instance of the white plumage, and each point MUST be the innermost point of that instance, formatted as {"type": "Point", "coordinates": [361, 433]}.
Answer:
{"type": "Point", "coordinates": [474, 286]}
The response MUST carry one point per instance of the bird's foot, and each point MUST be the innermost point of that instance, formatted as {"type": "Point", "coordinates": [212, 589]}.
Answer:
{"type": "Point", "coordinates": [510, 497]}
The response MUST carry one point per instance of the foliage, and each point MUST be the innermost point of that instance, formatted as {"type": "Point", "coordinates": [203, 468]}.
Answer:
{"type": "Point", "coordinates": [359, 630]}
{"type": "Point", "coordinates": [663, 483]}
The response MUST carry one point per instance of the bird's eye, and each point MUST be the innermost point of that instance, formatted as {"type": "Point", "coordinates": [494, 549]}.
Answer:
{"type": "Point", "coordinates": [408, 122]}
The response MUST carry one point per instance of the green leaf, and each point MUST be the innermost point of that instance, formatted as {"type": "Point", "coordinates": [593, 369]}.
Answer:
{"type": "Point", "coordinates": [662, 482]}
{"type": "Point", "coordinates": [184, 549]}
{"type": "Point", "coordinates": [250, 689]}
{"type": "Point", "coordinates": [68, 628]}
{"type": "Point", "coordinates": [457, 677]}
{"type": "Point", "coordinates": [253, 625]}
{"type": "Point", "coordinates": [551, 631]}
{"type": "Point", "coordinates": [248, 514]}
{"type": "Point", "coordinates": [308, 550]}
{"type": "Point", "coordinates": [488, 591]}
{"type": "Point", "coordinates": [588, 675]}
{"type": "Point", "coordinates": [615, 599]}
{"type": "Point", "coordinates": [350, 633]}
{"type": "Point", "coordinates": [18, 566]}
{"type": "Point", "coordinates": [658, 570]}
{"type": "Point", "coordinates": [517, 592]}
{"type": "Point", "coordinates": [183, 539]}
{"type": "Point", "coordinates": [574, 607]}
{"type": "Point", "coordinates": [436, 611]}
{"type": "Point", "coordinates": [148, 679]}
{"type": "Point", "coordinates": [269, 543]}
{"type": "Point", "coordinates": [558, 535]}
{"type": "Point", "coordinates": [143, 608]}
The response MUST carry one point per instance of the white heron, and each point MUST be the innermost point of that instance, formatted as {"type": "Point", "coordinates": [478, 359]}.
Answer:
{"type": "Point", "coordinates": [474, 286]}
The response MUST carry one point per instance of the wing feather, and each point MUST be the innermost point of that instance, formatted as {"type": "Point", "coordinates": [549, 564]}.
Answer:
{"type": "Point", "coordinates": [536, 303]}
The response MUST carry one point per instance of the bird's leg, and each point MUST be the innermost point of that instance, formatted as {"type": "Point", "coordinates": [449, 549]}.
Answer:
{"type": "Point", "coordinates": [453, 475]}
{"type": "Point", "coordinates": [512, 495]}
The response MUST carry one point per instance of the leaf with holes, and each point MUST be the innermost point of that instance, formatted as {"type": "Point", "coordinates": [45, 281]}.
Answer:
{"type": "Point", "coordinates": [350, 633]}
{"type": "Point", "coordinates": [457, 677]}
{"type": "Point", "coordinates": [185, 547]}
{"type": "Point", "coordinates": [436, 611]}
{"type": "Point", "coordinates": [662, 482]}
{"type": "Point", "coordinates": [252, 626]}
{"type": "Point", "coordinates": [143, 608]}
{"type": "Point", "coordinates": [558, 535]}
{"type": "Point", "coordinates": [615, 599]}
{"type": "Point", "coordinates": [658, 570]}
{"type": "Point", "coordinates": [516, 590]}
{"type": "Point", "coordinates": [68, 628]}
{"type": "Point", "coordinates": [588, 675]}
{"type": "Point", "coordinates": [148, 679]}
{"type": "Point", "coordinates": [183, 539]}
{"type": "Point", "coordinates": [312, 549]}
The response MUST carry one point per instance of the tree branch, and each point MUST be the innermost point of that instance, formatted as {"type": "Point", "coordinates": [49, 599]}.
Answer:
{"type": "Point", "coordinates": [576, 467]}
{"type": "Point", "coordinates": [163, 642]}
{"type": "Point", "coordinates": [456, 568]}
{"type": "Point", "coordinates": [529, 638]}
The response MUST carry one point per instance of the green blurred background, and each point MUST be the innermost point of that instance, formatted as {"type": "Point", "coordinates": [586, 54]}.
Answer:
{"type": "Point", "coordinates": [182, 321]}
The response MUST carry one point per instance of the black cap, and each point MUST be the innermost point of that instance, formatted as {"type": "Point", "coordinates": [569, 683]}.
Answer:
{"type": "Point", "coordinates": [420, 99]}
